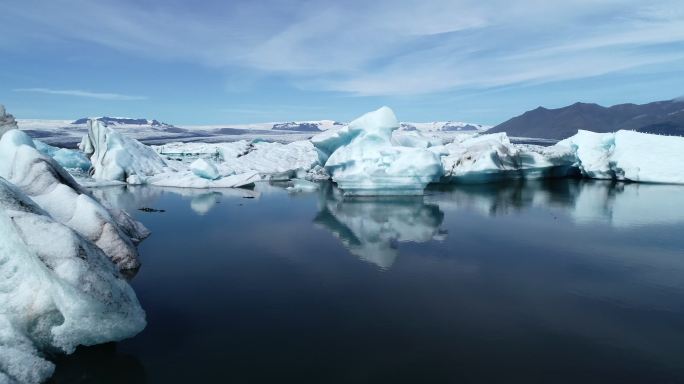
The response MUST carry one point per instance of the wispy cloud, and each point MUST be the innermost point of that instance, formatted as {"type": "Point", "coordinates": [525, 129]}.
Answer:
{"type": "Point", "coordinates": [383, 47]}
{"type": "Point", "coordinates": [81, 93]}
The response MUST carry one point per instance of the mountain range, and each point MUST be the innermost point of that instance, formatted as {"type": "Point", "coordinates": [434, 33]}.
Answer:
{"type": "Point", "coordinates": [661, 117]}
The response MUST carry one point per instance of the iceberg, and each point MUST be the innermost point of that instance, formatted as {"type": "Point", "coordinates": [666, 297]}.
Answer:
{"type": "Point", "coordinates": [56, 192]}
{"type": "Point", "coordinates": [628, 155]}
{"type": "Point", "coordinates": [205, 169]}
{"type": "Point", "coordinates": [67, 158]}
{"type": "Point", "coordinates": [492, 157]}
{"type": "Point", "coordinates": [275, 161]}
{"type": "Point", "coordinates": [364, 161]}
{"type": "Point", "coordinates": [117, 157]}
{"type": "Point", "coordinates": [188, 179]}
{"type": "Point", "coordinates": [58, 291]}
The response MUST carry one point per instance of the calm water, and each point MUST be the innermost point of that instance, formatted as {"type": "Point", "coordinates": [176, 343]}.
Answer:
{"type": "Point", "coordinates": [562, 281]}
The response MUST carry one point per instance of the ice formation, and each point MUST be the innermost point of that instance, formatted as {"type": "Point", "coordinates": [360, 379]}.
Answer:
{"type": "Point", "coordinates": [492, 157]}
{"type": "Point", "coordinates": [58, 291]}
{"type": "Point", "coordinates": [371, 227]}
{"type": "Point", "coordinates": [302, 185]}
{"type": "Point", "coordinates": [205, 169]}
{"type": "Point", "coordinates": [275, 160]}
{"type": "Point", "coordinates": [188, 179]}
{"type": "Point", "coordinates": [117, 157]}
{"type": "Point", "coordinates": [67, 158]}
{"type": "Point", "coordinates": [364, 161]}
{"type": "Point", "coordinates": [628, 155]}
{"type": "Point", "coordinates": [55, 191]}
{"type": "Point", "coordinates": [7, 121]}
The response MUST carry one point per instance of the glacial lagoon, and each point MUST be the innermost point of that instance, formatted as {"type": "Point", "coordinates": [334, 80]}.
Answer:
{"type": "Point", "coordinates": [550, 281]}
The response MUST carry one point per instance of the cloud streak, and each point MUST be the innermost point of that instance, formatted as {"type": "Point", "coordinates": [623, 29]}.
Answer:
{"type": "Point", "coordinates": [81, 93]}
{"type": "Point", "coordinates": [384, 47]}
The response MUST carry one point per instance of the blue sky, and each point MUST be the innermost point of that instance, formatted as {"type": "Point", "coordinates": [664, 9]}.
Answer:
{"type": "Point", "coordinates": [242, 61]}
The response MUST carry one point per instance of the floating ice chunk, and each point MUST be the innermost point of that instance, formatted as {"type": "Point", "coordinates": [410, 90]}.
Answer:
{"type": "Point", "coordinates": [301, 185]}
{"type": "Point", "coordinates": [628, 155]}
{"type": "Point", "coordinates": [67, 158]}
{"type": "Point", "coordinates": [365, 162]}
{"type": "Point", "coordinates": [116, 157]}
{"type": "Point", "coordinates": [492, 157]}
{"type": "Point", "coordinates": [55, 191]}
{"type": "Point", "coordinates": [205, 169]}
{"type": "Point", "coordinates": [187, 179]}
{"type": "Point", "coordinates": [58, 290]}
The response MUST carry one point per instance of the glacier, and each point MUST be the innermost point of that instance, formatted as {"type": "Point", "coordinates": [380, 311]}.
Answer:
{"type": "Point", "coordinates": [56, 192]}
{"type": "Point", "coordinates": [364, 161]}
{"type": "Point", "coordinates": [59, 290]}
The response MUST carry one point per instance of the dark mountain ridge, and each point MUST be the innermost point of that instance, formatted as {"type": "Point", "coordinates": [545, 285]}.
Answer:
{"type": "Point", "coordinates": [660, 117]}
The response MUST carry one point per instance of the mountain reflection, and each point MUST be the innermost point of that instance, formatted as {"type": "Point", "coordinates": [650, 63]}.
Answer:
{"type": "Point", "coordinates": [373, 228]}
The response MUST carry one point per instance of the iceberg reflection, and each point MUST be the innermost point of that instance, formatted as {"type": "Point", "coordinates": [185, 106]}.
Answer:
{"type": "Point", "coordinates": [618, 204]}
{"type": "Point", "coordinates": [373, 227]}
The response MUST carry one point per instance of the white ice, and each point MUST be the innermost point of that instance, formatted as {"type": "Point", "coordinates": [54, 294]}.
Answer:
{"type": "Point", "coordinates": [67, 158]}
{"type": "Point", "coordinates": [117, 157]}
{"type": "Point", "coordinates": [205, 169]}
{"type": "Point", "coordinates": [58, 290]}
{"type": "Point", "coordinates": [302, 185]}
{"type": "Point", "coordinates": [364, 161]}
{"type": "Point", "coordinates": [493, 157]}
{"type": "Point", "coordinates": [55, 191]}
{"type": "Point", "coordinates": [628, 155]}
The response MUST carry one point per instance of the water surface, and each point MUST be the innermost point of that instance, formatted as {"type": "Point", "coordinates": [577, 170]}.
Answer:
{"type": "Point", "coordinates": [560, 281]}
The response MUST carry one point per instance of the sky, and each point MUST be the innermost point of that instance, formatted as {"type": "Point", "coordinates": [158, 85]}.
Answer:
{"type": "Point", "coordinates": [240, 61]}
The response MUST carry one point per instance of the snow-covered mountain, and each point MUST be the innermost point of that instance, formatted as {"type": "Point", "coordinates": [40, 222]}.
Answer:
{"type": "Point", "coordinates": [443, 126]}
{"type": "Point", "coordinates": [120, 121]}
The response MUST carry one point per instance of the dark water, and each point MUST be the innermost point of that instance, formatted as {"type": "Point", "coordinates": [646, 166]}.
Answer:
{"type": "Point", "coordinates": [563, 281]}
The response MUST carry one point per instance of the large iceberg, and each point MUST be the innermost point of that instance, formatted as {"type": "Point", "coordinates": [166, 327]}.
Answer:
{"type": "Point", "coordinates": [58, 290]}
{"type": "Point", "coordinates": [55, 191]}
{"type": "Point", "coordinates": [363, 160]}
{"type": "Point", "coordinates": [493, 157]}
{"type": "Point", "coordinates": [117, 157]}
{"type": "Point", "coordinates": [628, 155]}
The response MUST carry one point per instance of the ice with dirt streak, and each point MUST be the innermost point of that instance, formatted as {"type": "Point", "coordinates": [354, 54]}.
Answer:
{"type": "Point", "coordinates": [56, 192]}
{"type": "Point", "coordinates": [59, 290]}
